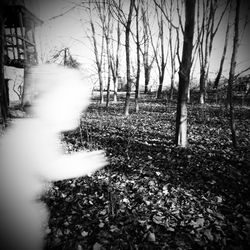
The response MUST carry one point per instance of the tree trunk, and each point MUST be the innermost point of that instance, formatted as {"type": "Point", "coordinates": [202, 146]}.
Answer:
{"type": "Point", "coordinates": [173, 52]}
{"type": "Point", "coordinates": [115, 80]}
{"type": "Point", "coordinates": [162, 63]}
{"type": "Point", "coordinates": [146, 73]}
{"type": "Point", "coordinates": [146, 46]}
{"type": "Point", "coordinates": [65, 57]}
{"type": "Point", "coordinates": [109, 73]}
{"type": "Point", "coordinates": [98, 62]}
{"type": "Point", "coordinates": [171, 94]}
{"type": "Point", "coordinates": [127, 48]}
{"type": "Point", "coordinates": [117, 61]}
{"type": "Point", "coordinates": [101, 99]}
{"type": "Point", "coordinates": [108, 90]}
{"type": "Point", "coordinates": [202, 85]}
{"type": "Point", "coordinates": [107, 32]}
{"type": "Point", "coordinates": [115, 90]}
{"type": "Point", "coordinates": [184, 74]}
{"type": "Point", "coordinates": [115, 58]}
{"type": "Point", "coordinates": [137, 85]}
{"type": "Point", "coordinates": [114, 70]}
{"type": "Point", "coordinates": [189, 93]}
{"type": "Point", "coordinates": [232, 73]}
{"type": "Point", "coordinates": [159, 91]}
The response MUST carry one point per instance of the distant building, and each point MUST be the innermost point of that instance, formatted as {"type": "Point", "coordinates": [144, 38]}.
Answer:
{"type": "Point", "coordinates": [19, 28]}
{"type": "Point", "coordinates": [19, 46]}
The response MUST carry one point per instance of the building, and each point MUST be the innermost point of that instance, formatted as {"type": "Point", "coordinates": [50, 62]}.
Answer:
{"type": "Point", "coordinates": [18, 47]}
{"type": "Point", "coordinates": [19, 28]}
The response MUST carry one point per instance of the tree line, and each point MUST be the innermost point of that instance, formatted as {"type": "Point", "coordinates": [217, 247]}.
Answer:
{"type": "Point", "coordinates": [173, 36]}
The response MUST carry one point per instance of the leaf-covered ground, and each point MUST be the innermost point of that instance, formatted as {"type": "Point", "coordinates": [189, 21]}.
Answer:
{"type": "Point", "coordinates": [154, 195]}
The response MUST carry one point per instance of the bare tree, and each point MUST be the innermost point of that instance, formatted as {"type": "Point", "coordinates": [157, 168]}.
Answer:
{"type": "Point", "coordinates": [64, 57]}
{"type": "Point", "coordinates": [137, 83]}
{"type": "Point", "coordinates": [217, 79]}
{"type": "Point", "coordinates": [127, 47]}
{"type": "Point", "coordinates": [147, 61]}
{"type": "Point", "coordinates": [174, 48]}
{"type": "Point", "coordinates": [109, 63]}
{"type": "Point", "coordinates": [167, 10]}
{"type": "Point", "coordinates": [104, 13]}
{"type": "Point", "coordinates": [207, 31]}
{"type": "Point", "coordinates": [126, 21]}
{"type": "Point", "coordinates": [163, 60]}
{"type": "Point", "coordinates": [232, 72]}
{"type": "Point", "coordinates": [203, 45]}
{"type": "Point", "coordinates": [114, 56]}
{"type": "Point", "coordinates": [184, 74]}
{"type": "Point", "coordinates": [160, 58]}
{"type": "Point", "coordinates": [98, 55]}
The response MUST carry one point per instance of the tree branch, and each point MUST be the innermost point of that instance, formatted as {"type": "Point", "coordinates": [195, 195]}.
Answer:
{"type": "Point", "coordinates": [62, 14]}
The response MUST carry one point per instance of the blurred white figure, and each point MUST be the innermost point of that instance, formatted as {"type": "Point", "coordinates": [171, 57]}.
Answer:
{"type": "Point", "coordinates": [31, 155]}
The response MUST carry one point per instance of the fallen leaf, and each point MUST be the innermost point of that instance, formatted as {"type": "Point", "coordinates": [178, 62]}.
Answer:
{"type": "Point", "coordinates": [151, 237]}
{"type": "Point", "coordinates": [198, 223]}
{"type": "Point", "coordinates": [97, 246]}
{"type": "Point", "coordinates": [101, 225]}
{"type": "Point", "coordinates": [208, 234]}
{"type": "Point", "coordinates": [84, 233]}
{"type": "Point", "coordinates": [158, 219]}
{"type": "Point", "coordinates": [79, 247]}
